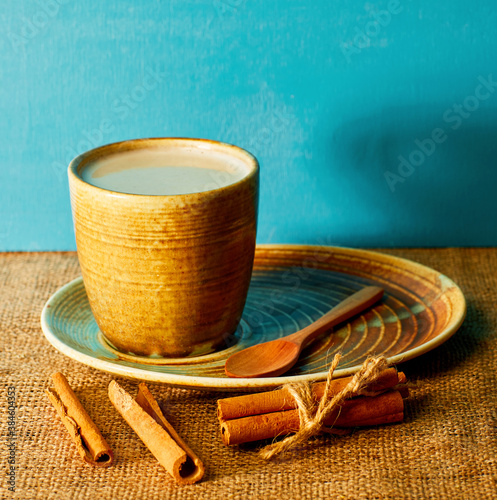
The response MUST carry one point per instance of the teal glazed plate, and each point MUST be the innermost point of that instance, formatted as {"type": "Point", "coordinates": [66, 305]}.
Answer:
{"type": "Point", "coordinates": [292, 286]}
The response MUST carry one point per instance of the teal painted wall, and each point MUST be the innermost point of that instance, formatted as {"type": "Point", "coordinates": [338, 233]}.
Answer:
{"type": "Point", "coordinates": [375, 123]}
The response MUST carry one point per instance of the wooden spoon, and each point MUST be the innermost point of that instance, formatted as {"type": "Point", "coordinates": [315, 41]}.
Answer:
{"type": "Point", "coordinates": [274, 358]}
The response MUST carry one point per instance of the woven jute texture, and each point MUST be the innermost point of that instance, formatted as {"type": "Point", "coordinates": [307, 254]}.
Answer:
{"type": "Point", "coordinates": [445, 449]}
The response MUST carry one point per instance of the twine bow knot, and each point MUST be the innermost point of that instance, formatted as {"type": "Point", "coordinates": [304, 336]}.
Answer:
{"type": "Point", "coordinates": [311, 415]}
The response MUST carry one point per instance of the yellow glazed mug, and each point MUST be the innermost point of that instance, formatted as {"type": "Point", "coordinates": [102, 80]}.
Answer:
{"type": "Point", "coordinates": [166, 275]}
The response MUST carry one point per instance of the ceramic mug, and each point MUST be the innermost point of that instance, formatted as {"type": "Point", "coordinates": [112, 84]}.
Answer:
{"type": "Point", "coordinates": [166, 275]}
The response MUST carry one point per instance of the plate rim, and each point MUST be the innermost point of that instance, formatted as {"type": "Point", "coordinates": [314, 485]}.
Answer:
{"type": "Point", "coordinates": [456, 319]}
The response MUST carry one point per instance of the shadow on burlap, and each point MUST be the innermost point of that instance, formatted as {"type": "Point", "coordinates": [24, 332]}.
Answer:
{"type": "Point", "coordinates": [445, 449]}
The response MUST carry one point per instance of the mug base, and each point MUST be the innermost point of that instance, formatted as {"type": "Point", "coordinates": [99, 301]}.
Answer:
{"type": "Point", "coordinates": [220, 349]}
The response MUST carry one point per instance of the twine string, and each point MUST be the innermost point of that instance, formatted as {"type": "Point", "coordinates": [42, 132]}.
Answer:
{"type": "Point", "coordinates": [311, 415]}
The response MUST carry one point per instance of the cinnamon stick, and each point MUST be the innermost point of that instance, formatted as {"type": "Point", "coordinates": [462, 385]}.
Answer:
{"type": "Point", "coordinates": [89, 442]}
{"type": "Point", "coordinates": [145, 417]}
{"type": "Point", "coordinates": [387, 407]}
{"type": "Point", "coordinates": [281, 399]}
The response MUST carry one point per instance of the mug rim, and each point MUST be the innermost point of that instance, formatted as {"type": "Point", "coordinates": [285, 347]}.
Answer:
{"type": "Point", "coordinates": [143, 143]}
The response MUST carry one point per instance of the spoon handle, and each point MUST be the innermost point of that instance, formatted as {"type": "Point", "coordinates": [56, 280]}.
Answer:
{"type": "Point", "coordinates": [349, 307]}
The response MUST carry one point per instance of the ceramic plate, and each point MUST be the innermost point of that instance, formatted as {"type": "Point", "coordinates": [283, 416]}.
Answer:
{"type": "Point", "coordinates": [292, 286]}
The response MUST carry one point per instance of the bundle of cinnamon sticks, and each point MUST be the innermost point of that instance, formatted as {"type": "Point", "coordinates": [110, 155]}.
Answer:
{"type": "Point", "coordinates": [266, 415]}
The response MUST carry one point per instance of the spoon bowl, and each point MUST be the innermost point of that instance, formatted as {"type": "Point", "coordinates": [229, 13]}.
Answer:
{"type": "Point", "coordinates": [263, 355]}
{"type": "Point", "coordinates": [273, 358]}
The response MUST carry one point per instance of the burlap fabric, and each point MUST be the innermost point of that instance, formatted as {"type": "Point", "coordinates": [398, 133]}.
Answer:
{"type": "Point", "coordinates": [445, 449]}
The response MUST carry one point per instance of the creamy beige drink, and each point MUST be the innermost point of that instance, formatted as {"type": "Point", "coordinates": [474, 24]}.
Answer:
{"type": "Point", "coordinates": [163, 172]}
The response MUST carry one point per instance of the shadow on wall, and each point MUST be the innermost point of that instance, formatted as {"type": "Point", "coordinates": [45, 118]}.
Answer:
{"type": "Point", "coordinates": [430, 174]}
